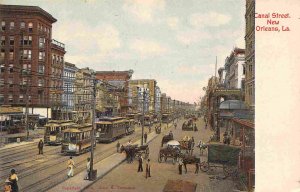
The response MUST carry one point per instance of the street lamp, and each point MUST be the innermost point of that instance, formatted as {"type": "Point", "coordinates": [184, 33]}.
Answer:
{"type": "Point", "coordinates": [144, 93]}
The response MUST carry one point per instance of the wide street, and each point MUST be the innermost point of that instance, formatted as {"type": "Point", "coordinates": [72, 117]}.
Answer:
{"type": "Point", "coordinates": [126, 178]}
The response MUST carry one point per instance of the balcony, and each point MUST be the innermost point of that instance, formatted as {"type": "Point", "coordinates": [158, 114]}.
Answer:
{"type": "Point", "coordinates": [58, 45]}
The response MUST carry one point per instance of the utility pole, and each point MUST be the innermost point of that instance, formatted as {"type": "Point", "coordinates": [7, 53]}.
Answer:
{"type": "Point", "coordinates": [26, 112]}
{"type": "Point", "coordinates": [143, 119]}
{"type": "Point", "coordinates": [92, 176]}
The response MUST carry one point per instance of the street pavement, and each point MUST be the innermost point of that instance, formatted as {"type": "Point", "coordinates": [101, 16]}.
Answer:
{"type": "Point", "coordinates": [126, 178]}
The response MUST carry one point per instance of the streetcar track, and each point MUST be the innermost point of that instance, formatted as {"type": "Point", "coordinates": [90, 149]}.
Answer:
{"type": "Point", "coordinates": [61, 159]}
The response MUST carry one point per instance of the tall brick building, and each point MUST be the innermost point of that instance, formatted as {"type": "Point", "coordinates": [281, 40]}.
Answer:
{"type": "Point", "coordinates": [26, 56]}
{"type": "Point", "coordinates": [250, 54]}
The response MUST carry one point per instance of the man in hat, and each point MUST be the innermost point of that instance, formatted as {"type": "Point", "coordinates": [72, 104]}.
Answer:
{"type": "Point", "coordinates": [41, 146]}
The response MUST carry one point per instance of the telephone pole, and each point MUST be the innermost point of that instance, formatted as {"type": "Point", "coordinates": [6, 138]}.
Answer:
{"type": "Point", "coordinates": [92, 176]}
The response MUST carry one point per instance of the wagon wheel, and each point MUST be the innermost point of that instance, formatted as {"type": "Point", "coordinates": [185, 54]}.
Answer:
{"type": "Point", "coordinates": [159, 158]}
{"type": "Point", "coordinates": [229, 170]}
{"type": "Point", "coordinates": [204, 166]}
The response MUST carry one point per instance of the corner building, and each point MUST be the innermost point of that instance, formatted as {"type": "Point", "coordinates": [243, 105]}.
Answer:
{"type": "Point", "coordinates": [25, 56]}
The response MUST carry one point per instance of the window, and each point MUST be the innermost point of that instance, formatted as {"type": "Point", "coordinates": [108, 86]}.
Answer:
{"type": "Point", "coordinates": [3, 25]}
{"type": "Point", "coordinates": [11, 40]}
{"type": "Point", "coordinates": [11, 25]}
{"type": "Point", "coordinates": [26, 54]}
{"type": "Point", "coordinates": [2, 68]}
{"type": "Point", "coordinates": [11, 54]}
{"type": "Point", "coordinates": [10, 98]}
{"type": "Point", "coordinates": [29, 98]}
{"type": "Point", "coordinates": [22, 25]}
{"type": "Point", "coordinates": [10, 82]}
{"type": "Point", "coordinates": [61, 60]}
{"type": "Point", "coordinates": [24, 81]}
{"type": "Point", "coordinates": [1, 98]}
{"type": "Point", "coordinates": [42, 55]}
{"type": "Point", "coordinates": [27, 40]}
{"type": "Point", "coordinates": [41, 82]}
{"type": "Point", "coordinates": [45, 29]}
{"type": "Point", "coordinates": [30, 27]}
{"type": "Point", "coordinates": [2, 54]}
{"type": "Point", "coordinates": [41, 69]}
{"type": "Point", "coordinates": [21, 98]}
{"type": "Point", "coordinates": [42, 41]}
{"type": "Point", "coordinates": [2, 40]}
{"type": "Point", "coordinates": [26, 68]}
{"type": "Point", "coordinates": [1, 82]}
{"type": "Point", "coordinates": [53, 60]}
{"type": "Point", "coordinates": [11, 68]}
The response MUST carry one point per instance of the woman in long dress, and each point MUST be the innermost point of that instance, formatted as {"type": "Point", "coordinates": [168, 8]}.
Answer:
{"type": "Point", "coordinates": [71, 166]}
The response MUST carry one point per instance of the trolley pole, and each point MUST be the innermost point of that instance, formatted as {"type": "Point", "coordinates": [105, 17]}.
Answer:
{"type": "Point", "coordinates": [143, 120]}
{"type": "Point", "coordinates": [92, 176]}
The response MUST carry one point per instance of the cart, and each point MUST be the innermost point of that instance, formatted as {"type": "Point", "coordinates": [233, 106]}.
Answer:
{"type": "Point", "coordinates": [222, 156]}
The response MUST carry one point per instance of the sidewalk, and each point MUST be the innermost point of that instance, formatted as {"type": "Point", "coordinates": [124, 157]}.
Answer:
{"type": "Point", "coordinates": [77, 183]}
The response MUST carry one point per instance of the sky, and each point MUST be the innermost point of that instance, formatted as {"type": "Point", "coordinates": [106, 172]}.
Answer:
{"type": "Point", "coordinates": [173, 41]}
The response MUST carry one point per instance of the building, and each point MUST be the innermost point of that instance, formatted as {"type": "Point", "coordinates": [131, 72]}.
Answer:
{"type": "Point", "coordinates": [250, 54]}
{"type": "Point", "coordinates": [68, 96]}
{"type": "Point", "coordinates": [235, 72]}
{"type": "Point", "coordinates": [56, 80]}
{"type": "Point", "coordinates": [83, 95]}
{"type": "Point", "coordinates": [157, 100]}
{"type": "Point", "coordinates": [138, 86]}
{"type": "Point", "coordinates": [118, 82]}
{"type": "Point", "coordinates": [222, 74]}
{"type": "Point", "coordinates": [26, 57]}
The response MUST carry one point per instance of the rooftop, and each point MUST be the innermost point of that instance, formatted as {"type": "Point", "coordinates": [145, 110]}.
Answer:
{"type": "Point", "coordinates": [24, 10]}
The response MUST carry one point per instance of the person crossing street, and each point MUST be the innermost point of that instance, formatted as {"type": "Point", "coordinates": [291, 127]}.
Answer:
{"type": "Point", "coordinates": [140, 168]}
{"type": "Point", "coordinates": [145, 137]}
{"type": "Point", "coordinates": [71, 166]}
{"type": "Point", "coordinates": [40, 147]}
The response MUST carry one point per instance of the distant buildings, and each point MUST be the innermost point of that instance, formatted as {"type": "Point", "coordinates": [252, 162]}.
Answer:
{"type": "Point", "coordinates": [250, 54]}
{"type": "Point", "coordinates": [157, 100]}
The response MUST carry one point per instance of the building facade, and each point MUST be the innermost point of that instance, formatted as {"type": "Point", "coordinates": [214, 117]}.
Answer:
{"type": "Point", "coordinates": [157, 99]}
{"type": "Point", "coordinates": [56, 80]}
{"type": "Point", "coordinates": [26, 68]}
{"type": "Point", "coordinates": [118, 84]}
{"type": "Point", "coordinates": [250, 54]}
{"type": "Point", "coordinates": [235, 72]}
{"type": "Point", "coordinates": [83, 95]}
{"type": "Point", "coordinates": [68, 97]}
{"type": "Point", "coordinates": [138, 87]}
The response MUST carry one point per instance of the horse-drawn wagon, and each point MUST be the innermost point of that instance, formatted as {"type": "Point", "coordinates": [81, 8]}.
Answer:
{"type": "Point", "coordinates": [133, 151]}
{"type": "Point", "coordinates": [222, 156]}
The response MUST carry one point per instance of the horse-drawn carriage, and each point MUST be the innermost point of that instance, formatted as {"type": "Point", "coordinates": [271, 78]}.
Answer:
{"type": "Point", "coordinates": [133, 151]}
{"type": "Point", "coordinates": [169, 152]}
{"type": "Point", "coordinates": [157, 130]}
{"type": "Point", "coordinates": [222, 156]}
{"type": "Point", "coordinates": [189, 126]}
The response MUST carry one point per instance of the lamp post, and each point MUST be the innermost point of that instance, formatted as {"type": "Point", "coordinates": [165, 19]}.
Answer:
{"type": "Point", "coordinates": [144, 93]}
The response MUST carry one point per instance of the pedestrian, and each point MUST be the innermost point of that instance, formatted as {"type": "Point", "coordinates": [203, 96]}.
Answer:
{"type": "Point", "coordinates": [71, 166]}
{"type": "Point", "coordinates": [145, 137]}
{"type": "Point", "coordinates": [175, 125]}
{"type": "Point", "coordinates": [197, 168]}
{"type": "Point", "coordinates": [140, 168]}
{"type": "Point", "coordinates": [148, 168]}
{"type": "Point", "coordinates": [88, 168]}
{"type": "Point", "coordinates": [13, 178]}
{"type": "Point", "coordinates": [40, 146]}
{"type": "Point", "coordinates": [195, 128]}
{"type": "Point", "coordinates": [118, 147]}
{"type": "Point", "coordinates": [180, 163]}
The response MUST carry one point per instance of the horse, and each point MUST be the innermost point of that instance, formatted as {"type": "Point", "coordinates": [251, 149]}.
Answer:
{"type": "Point", "coordinates": [166, 139]}
{"type": "Point", "coordinates": [130, 152]}
{"type": "Point", "coordinates": [189, 159]}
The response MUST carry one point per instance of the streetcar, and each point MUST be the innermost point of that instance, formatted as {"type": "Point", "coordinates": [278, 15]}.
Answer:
{"type": "Point", "coordinates": [166, 118]}
{"type": "Point", "coordinates": [130, 126]}
{"type": "Point", "coordinates": [53, 131]}
{"type": "Point", "coordinates": [77, 139]}
{"type": "Point", "coordinates": [133, 116]}
{"type": "Point", "coordinates": [111, 128]}
{"type": "Point", "coordinates": [148, 120]}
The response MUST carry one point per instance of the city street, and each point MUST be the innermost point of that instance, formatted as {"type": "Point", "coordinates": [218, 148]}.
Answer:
{"type": "Point", "coordinates": [41, 172]}
{"type": "Point", "coordinates": [126, 178]}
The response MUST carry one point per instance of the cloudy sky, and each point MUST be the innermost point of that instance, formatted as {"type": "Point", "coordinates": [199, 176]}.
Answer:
{"type": "Point", "coordinates": [173, 41]}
